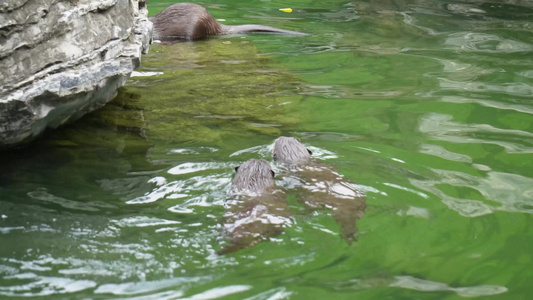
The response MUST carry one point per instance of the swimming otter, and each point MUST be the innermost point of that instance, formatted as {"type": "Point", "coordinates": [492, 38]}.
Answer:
{"type": "Point", "coordinates": [191, 22]}
{"type": "Point", "coordinates": [255, 210]}
{"type": "Point", "coordinates": [253, 177]}
{"type": "Point", "coordinates": [320, 186]}
{"type": "Point", "coordinates": [290, 151]}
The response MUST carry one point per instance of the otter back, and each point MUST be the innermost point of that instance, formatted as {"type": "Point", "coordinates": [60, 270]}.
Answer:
{"type": "Point", "coordinates": [184, 21]}
{"type": "Point", "coordinates": [319, 186]}
{"type": "Point", "coordinates": [255, 210]}
{"type": "Point", "coordinates": [191, 21]}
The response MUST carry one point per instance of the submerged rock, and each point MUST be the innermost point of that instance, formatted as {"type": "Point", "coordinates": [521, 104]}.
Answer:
{"type": "Point", "coordinates": [62, 59]}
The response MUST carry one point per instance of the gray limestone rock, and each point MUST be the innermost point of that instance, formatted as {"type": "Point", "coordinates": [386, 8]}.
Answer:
{"type": "Point", "coordinates": [60, 59]}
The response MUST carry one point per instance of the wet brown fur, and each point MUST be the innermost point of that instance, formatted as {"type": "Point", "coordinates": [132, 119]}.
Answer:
{"type": "Point", "coordinates": [320, 186]}
{"type": "Point", "coordinates": [254, 176]}
{"type": "Point", "coordinates": [192, 22]}
{"type": "Point", "coordinates": [289, 150]}
{"type": "Point", "coordinates": [254, 207]}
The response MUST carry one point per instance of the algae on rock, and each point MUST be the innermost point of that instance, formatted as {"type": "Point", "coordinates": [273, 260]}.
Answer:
{"type": "Point", "coordinates": [213, 90]}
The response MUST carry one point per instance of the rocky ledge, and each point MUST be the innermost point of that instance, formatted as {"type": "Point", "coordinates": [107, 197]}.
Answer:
{"type": "Point", "coordinates": [60, 59]}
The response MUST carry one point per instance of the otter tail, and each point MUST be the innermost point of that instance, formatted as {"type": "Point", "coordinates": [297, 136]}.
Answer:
{"type": "Point", "coordinates": [237, 29]}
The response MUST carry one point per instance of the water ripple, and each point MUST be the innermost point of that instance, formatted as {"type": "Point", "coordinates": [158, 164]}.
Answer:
{"type": "Point", "coordinates": [511, 88]}
{"type": "Point", "coordinates": [527, 109]}
{"type": "Point", "coordinates": [219, 292]}
{"type": "Point", "coordinates": [142, 221]}
{"type": "Point", "coordinates": [439, 151]}
{"type": "Point", "coordinates": [272, 294]}
{"type": "Point", "coordinates": [43, 195]}
{"type": "Point", "coordinates": [513, 192]}
{"type": "Point", "coordinates": [136, 288]}
{"type": "Point", "coordinates": [186, 168]}
{"type": "Point", "coordinates": [218, 183]}
{"type": "Point", "coordinates": [43, 285]}
{"type": "Point", "coordinates": [441, 127]}
{"type": "Point", "coordinates": [194, 150]}
{"type": "Point", "coordinates": [413, 283]}
{"type": "Point", "coordinates": [417, 284]}
{"type": "Point", "coordinates": [483, 42]}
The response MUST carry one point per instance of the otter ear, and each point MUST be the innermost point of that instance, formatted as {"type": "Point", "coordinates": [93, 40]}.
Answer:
{"type": "Point", "coordinates": [273, 173]}
{"type": "Point", "coordinates": [236, 168]}
{"type": "Point", "coordinates": [310, 152]}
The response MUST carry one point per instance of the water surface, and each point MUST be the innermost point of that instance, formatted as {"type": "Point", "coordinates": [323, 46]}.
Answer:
{"type": "Point", "coordinates": [425, 106]}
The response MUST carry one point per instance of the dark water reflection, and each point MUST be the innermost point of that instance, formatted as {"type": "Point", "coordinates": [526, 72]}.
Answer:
{"type": "Point", "coordinates": [423, 105]}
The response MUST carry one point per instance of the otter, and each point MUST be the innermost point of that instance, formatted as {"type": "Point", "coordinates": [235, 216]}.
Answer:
{"type": "Point", "coordinates": [290, 151]}
{"type": "Point", "coordinates": [320, 186]}
{"type": "Point", "coordinates": [255, 210]}
{"type": "Point", "coordinates": [191, 21]}
{"type": "Point", "coordinates": [253, 177]}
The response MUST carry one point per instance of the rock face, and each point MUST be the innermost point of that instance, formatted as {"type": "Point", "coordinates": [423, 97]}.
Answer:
{"type": "Point", "coordinates": [60, 59]}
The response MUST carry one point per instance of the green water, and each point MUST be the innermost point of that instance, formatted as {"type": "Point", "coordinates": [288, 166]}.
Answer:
{"type": "Point", "coordinates": [426, 106]}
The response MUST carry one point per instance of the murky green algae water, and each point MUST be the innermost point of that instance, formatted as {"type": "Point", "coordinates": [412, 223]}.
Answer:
{"type": "Point", "coordinates": [423, 105]}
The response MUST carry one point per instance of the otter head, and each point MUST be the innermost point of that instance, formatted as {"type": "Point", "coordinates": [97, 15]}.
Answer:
{"type": "Point", "coordinates": [184, 21]}
{"type": "Point", "coordinates": [289, 150]}
{"type": "Point", "coordinates": [253, 176]}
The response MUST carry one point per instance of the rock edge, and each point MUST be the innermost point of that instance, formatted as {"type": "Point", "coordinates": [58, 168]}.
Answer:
{"type": "Point", "coordinates": [62, 59]}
